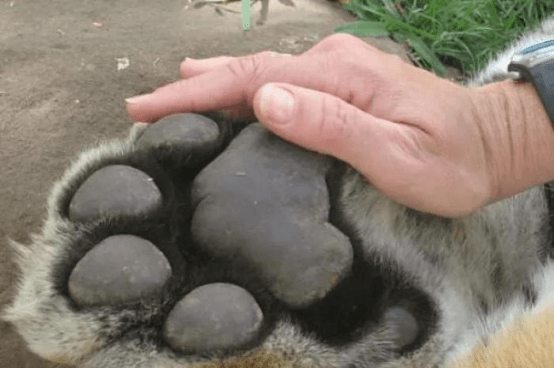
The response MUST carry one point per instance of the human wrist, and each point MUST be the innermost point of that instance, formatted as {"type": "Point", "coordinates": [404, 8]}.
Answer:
{"type": "Point", "coordinates": [518, 134]}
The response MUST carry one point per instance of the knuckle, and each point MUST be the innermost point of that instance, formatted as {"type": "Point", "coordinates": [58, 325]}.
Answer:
{"type": "Point", "coordinates": [249, 67]}
{"type": "Point", "coordinates": [251, 71]}
{"type": "Point", "coordinates": [335, 43]}
{"type": "Point", "coordinates": [241, 67]}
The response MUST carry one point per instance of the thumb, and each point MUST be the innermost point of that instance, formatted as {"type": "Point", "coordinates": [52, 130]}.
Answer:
{"type": "Point", "coordinates": [323, 123]}
{"type": "Point", "coordinates": [392, 156]}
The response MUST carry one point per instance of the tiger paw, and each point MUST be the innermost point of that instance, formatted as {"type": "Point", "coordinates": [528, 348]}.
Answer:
{"type": "Point", "coordinates": [185, 245]}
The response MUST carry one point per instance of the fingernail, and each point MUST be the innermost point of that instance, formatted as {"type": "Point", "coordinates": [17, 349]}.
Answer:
{"type": "Point", "coordinates": [277, 105]}
{"type": "Point", "coordinates": [137, 99]}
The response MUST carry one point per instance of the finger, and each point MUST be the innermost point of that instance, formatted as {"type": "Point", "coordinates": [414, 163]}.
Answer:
{"type": "Point", "coordinates": [228, 87]}
{"type": "Point", "coordinates": [218, 89]}
{"type": "Point", "coordinates": [191, 67]}
{"type": "Point", "coordinates": [230, 83]}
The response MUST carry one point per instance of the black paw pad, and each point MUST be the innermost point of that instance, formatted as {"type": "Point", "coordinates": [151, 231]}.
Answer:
{"type": "Point", "coordinates": [211, 317]}
{"type": "Point", "coordinates": [114, 190]}
{"type": "Point", "coordinates": [190, 131]}
{"type": "Point", "coordinates": [266, 201]}
{"type": "Point", "coordinates": [182, 141]}
{"type": "Point", "coordinates": [120, 269]}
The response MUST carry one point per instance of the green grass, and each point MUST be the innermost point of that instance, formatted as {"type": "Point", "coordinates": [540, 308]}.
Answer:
{"type": "Point", "coordinates": [461, 33]}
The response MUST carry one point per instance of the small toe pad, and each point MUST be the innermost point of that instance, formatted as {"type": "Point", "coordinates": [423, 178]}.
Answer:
{"type": "Point", "coordinates": [114, 190]}
{"type": "Point", "coordinates": [183, 139]}
{"type": "Point", "coordinates": [119, 269]}
{"type": "Point", "coordinates": [213, 316]}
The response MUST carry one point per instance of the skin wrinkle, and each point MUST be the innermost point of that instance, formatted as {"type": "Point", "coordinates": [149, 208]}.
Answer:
{"type": "Point", "coordinates": [421, 145]}
{"type": "Point", "coordinates": [525, 127]}
{"type": "Point", "coordinates": [239, 70]}
{"type": "Point", "coordinates": [510, 131]}
{"type": "Point", "coordinates": [393, 100]}
{"type": "Point", "coordinates": [340, 89]}
{"type": "Point", "coordinates": [418, 127]}
{"type": "Point", "coordinates": [339, 121]}
{"type": "Point", "coordinates": [526, 133]}
{"type": "Point", "coordinates": [349, 94]}
{"type": "Point", "coordinates": [494, 189]}
{"type": "Point", "coordinates": [322, 123]}
{"type": "Point", "coordinates": [414, 166]}
{"type": "Point", "coordinates": [369, 103]}
{"type": "Point", "coordinates": [513, 104]}
{"type": "Point", "coordinates": [365, 129]}
{"type": "Point", "coordinates": [376, 82]}
{"type": "Point", "coordinates": [416, 139]}
{"type": "Point", "coordinates": [327, 65]}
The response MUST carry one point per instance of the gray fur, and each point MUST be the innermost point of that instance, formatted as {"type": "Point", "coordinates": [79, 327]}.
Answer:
{"type": "Point", "coordinates": [476, 271]}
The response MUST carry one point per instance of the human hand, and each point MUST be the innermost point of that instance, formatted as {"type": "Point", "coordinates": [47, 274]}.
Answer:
{"type": "Point", "coordinates": [417, 138]}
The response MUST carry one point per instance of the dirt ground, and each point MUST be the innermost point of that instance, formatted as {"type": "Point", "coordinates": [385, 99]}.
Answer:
{"type": "Point", "coordinates": [61, 90]}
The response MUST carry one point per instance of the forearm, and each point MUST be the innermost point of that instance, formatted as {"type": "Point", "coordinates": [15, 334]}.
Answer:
{"type": "Point", "coordinates": [520, 133]}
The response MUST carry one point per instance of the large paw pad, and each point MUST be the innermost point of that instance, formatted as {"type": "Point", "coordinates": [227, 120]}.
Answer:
{"type": "Point", "coordinates": [272, 209]}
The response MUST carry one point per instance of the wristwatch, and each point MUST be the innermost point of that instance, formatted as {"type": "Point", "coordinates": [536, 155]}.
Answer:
{"type": "Point", "coordinates": [535, 64]}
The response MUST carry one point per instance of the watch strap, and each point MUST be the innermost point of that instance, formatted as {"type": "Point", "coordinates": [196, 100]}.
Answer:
{"type": "Point", "coordinates": [549, 194]}
{"type": "Point", "coordinates": [541, 76]}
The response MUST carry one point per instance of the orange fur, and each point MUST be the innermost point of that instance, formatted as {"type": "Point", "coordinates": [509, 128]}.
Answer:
{"type": "Point", "coordinates": [529, 343]}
